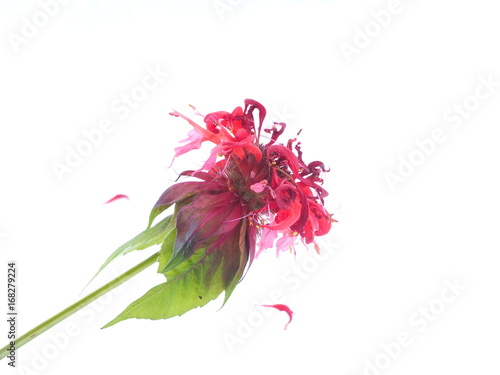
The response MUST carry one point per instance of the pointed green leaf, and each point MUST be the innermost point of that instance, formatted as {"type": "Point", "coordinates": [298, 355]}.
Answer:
{"type": "Point", "coordinates": [159, 208]}
{"type": "Point", "coordinates": [149, 237]}
{"type": "Point", "coordinates": [176, 268]}
{"type": "Point", "coordinates": [193, 282]}
{"type": "Point", "coordinates": [154, 213]}
{"type": "Point", "coordinates": [239, 256]}
{"type": "Point", "coordinates": [199, 285]}
{"type": "Point", "coordinates": [166, 250]}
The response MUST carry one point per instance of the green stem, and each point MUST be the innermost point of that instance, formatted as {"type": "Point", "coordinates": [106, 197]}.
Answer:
{"type": "Point", "coordinates": [30, 335]}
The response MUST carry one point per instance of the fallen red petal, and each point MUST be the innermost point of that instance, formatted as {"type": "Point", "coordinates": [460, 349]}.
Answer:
{"type": "Point", "coordinates": [116, 197]}
{"type": "Point", "coordinates": [284, 308]}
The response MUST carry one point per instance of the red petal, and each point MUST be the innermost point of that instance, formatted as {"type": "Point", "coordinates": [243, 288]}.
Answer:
{"type": "Point", "coordinates": [284, 308]}
{"type": "Point", "coordinates": [286, 218]}
{"type": "Point", "coordinates": [193, 142]}
{"type": "Point", "coordinates": [238, 151]}
{"type": "Point", "coordinates": [116, 197]}
{"type": "Point", "coordinates": [284, 155]}
{"type": "Point", "coordinates": [207, 134]}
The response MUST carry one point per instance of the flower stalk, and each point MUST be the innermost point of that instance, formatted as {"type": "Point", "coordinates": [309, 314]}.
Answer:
{"type": "Point", "coordinates": [251, 194]}
{"type": "Point", "coordinates": [49, 323]}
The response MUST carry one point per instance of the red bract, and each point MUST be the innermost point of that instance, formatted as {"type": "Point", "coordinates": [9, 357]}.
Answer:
{"type": "Point", "coordinates": [246, 190]}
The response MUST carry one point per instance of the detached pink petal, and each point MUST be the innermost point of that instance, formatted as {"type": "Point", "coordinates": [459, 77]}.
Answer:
{"type": "Point", "coordinates": [116, 197]}
{"type": "Point", "coordinates": [284, 308]}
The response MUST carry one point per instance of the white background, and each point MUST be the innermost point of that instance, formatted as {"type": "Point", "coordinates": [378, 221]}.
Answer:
{"type": "Point", "coordinates": [390, 253]}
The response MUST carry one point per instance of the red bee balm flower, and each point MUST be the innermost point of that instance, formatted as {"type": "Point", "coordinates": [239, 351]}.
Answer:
{"type": "Point", "coordinates": [247, 195]}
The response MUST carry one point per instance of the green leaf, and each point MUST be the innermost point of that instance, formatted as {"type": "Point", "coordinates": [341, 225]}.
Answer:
{"type": "Point", "coordinates": [201, 283]}
{"type": "Point", "coordinates": [193, 282]}
{"type": "Point", "coordinates": [176, 268]}
{"type": "Point", "coordinates": [166, 251]}
{"type": "Point", "coordinates": [239, 258]}
{"type": "Point", "coordinates": [159, 208]}
{"type": "Point", "coordinates": [151, 236]}
{"type": "Point", "coordinates": [172, 265]}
